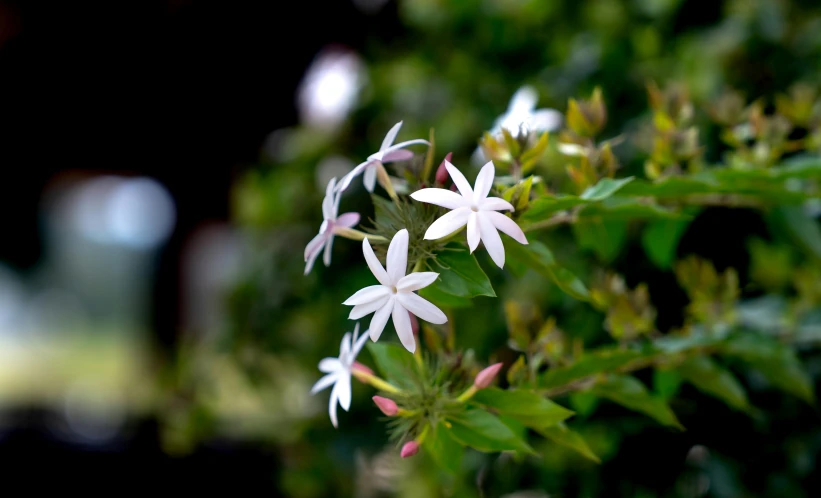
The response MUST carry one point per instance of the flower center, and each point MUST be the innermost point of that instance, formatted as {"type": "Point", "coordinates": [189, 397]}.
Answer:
{"type": "Point", "coordinates": [474, 209]}
{"type": "Point", "coordinates": [393, 289]}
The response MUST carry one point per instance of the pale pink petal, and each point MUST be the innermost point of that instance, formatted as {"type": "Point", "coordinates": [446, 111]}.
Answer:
{"type": "Point", "coordinates": [440, 197]}
{"type": "Point", "coordinates": [315, 245]}
{"type": "Point", "coordinates": [328, 201]}
{"type": "Point", "coordinates": [492, 240]}
{"type": "Point", "coordinates": [324, 382]}
{"type": "Point", "coordinates": [416, 281]}
{"type": "Point", "coordinates": [397, 260]}
{"type": "Point", "coordinates": [369, 179]}
{"type": "Point", "coordinates": [390, 137]}
{"type": "Point", "coordinates": [346, 180]}
{"type": "Point", "coordinates": [311, 260]}
{"type": "Point", "coordinates": [421, 307]}
{"type": "Point", "coordinates": [332, 402]}
{"type": "Point", "coordinates": [402, 323]}
{"type": "Point", "coordinates": [474, 236]}
{"type": "Point", "coordinates": [495, 204]}
{"type": "Point", "coordinates": [402, 145]}
{"type": "Point", "coordinates": [484, 181]}
{"type": "Point", "coordinates": [366, 309]}
{"type": "Point", "coordinates": [347, 220]}
{"type": "Point", "coordinates": [329, 365]}
{"type": "Point", "coordinates": [343, 389]}
{"type": "Point", "coordinates": [374, 264]}
{"type": "Point", "coordinates": [380, 318]}
{"type": "Point", "coordinates": [397, 155]}
{"type": "Point", "coordinates": [326, 258]}
{"type": "Point", "coordinates": [448, 223]}
{"type": "Point", "coordinates": [459, 180]}
{"type": "Point", "coordinates": [368, 294]}
{"type": "Point", "coordinates": [506, 225]}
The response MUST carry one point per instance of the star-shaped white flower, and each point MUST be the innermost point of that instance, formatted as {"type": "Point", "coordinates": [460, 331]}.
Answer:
{"type": "Point", "coordinates": [325, 237]}
{"type": "Point", "coordinates": [338, 372]}
{"type": "Point", "coordinates": [474, 209]}
{"type": "Point", "coordinates": [522, 111]}
{"type": "Point", "coordinates": [387, 153]}
{"type": "Point", "coordinates": [394, 296]}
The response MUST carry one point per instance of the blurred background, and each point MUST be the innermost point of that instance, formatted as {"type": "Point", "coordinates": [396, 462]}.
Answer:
{"type": "Point", "coordinates": [165, 163]}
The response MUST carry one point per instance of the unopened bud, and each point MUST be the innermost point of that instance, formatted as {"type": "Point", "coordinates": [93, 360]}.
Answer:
{"type": "Point", "coordinates": [414, 323]}
{"type": "Point", "coordinates": [362, 368]}
{"type": "Point", "coordinates": [486, 376]}
{"type": "Point", "coordinates": [442, 172]}
{"type": "Point", "coordinates": [409, 449]}
{"type": "Point", "coordinates": [388, 406]}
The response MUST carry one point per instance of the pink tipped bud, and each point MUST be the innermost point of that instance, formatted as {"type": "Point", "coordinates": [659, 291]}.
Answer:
{"type": "Point", "coordinates": [442, 172]}
{"type": "Point", "coordinates": [362, 368]}
{"type": "Point", "coordinates": [388, 406]}
{"type": "Point", "coordinates": [453, 188]}
{"type": "Point", "coordinates": [409, 449]}
{"type": "Point", "coordinates": [414, 323]}
{"type": "Point", "coordinates": [486, 376]}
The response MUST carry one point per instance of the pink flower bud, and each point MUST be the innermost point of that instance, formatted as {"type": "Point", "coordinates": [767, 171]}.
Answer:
{"type": "Point", "coordinates": [414, 323]}
{"type": "Point", "coordinates": [409, 449]}
{"type": "Point", "coordinates": [442, 172]}
{"type": "Point", "coordinates": [388, 406]}
{"type": "Point", "coordinates": [453, 188]}
{"type": "Point", "coordinates": [362, 368]}
{"type": "Point", "coordinates": [486, 376]}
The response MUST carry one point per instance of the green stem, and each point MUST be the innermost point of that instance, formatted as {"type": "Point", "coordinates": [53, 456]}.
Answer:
{"type": "Point", "coordinates": [373, 380]}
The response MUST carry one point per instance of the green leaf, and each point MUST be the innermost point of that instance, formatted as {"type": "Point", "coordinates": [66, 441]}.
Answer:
{"type": "Point", "coordinates": [713, 379]}
{"type": "Point", "coordinates": [543, 208]}
{"type": "Point", "coordinates": [445, 451]}
{"type": "Point", "coordinates": [538, 257]}
{"type": "Point", "coordinates": [625, 209]}
{"type": "Point", "coordinates": [394, 362]}
{"type": "Point", "coordinates": [804, 231]}
{"type": "Point", "coordinates": [439, 298]}
{"type": "Point", "coordinates": [660, 241]}
{"type": "Point", "coordinates": [485, 432]}
{"type": "Point", "coordinates": [666, 382]}
{"type": "Point", "coordinates": [528, 407]}
{"type": "Point", "coordinates": [562, 435]}
{"type": "Point", "coordinates": [596, 362]}
{"type": "Point", "coordinates": [675, 186]}
{"type": "Point", "coordinates": [605, 239]}
{"type": "Point", "coordinates": [460, 274]}
{"type": "Point", "coordinates": [631, 393]}
{"type": "Point", "coordinates": [605, 188]}
{"type": "Point", "coordinates": [583, 402]}
{"type": "Point", "coordinates": [776, 362]}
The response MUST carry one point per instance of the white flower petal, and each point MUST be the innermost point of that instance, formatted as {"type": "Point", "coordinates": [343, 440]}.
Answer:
{"type": "Point", "coordinates": [440, 197]}
{"type": "Point", "coordinates": [524, 100]}
{"type": "Point", "coordinates": [374, 264]}
{"type": "Point", "coordinates": [347, 220]}
{"type": "Point", "coordinates": [343, 390]}
{"type": "Point", "coordinates": [311, 259]}
{"type": "Point", "coordinates": [332, 406]}
{"type": "Point", "coordinates": [366, 309]}
{"type": "Point", "coordinates": [402, 323]}
{"type": "Point", "coordinates": [324, 382]}
{"type": "Point", "coordinates": [328, 201]}
{"type": "Point", "coordinates": [329, 365]}
{"type": "Point", "coordinates": [387, 152]}
{"type": "Point", "coordinates": [495, 204]}
{"type": "Point", "coordinates": [571, 149]}
{"type": "Point", "coordinates": [416, 281]}
{"type": "Point", "coordinates": [368, 294]}
{"type": "Point", "coordinates": [326, 258]}
{"type": "Point", "coordinates": [346, 180]}
{"type": "Point", "coordinates": [492, 240]}
{"type": "Point", "coordinates": [448, 223]}
{"type": "Point", "coordinates": [369, 179]}
{"type": "Point", "coordinates": [397, 260]}
{"type": "Point", "coordinates": [360, 343]}
{"type": "Point", "coordinates": [546, 120]}
{"type": "Point", "coordinates": [474, 236]}
{"type": "Point", "coordinates": [345, 345]}
{"type": "Point", "coordinates": [390, 137]}
{"type": "Point", "coordinates": [459, 180]}
{"type": "Point", "coordinates": [506, 225]}
{"type": "Point", "coordinates": [380, 318]}
{"type": "Point", "coordinates": [421, 307]}
{"type": "Point", "coordinates": [315, 245]}
{"type": "Point", "coordinates": [484, 181]}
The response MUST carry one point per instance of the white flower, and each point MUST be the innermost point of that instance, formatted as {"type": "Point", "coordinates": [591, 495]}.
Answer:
{"type": "Point", "coordinates": [394, 296]}
{"type": "Point", "coordinates": [474, 209]}
{"type": "Point", "coordinates": [522, 111]}
{"type": "Point", "coordinates": [338, 372]}
{"type": "Point", "coordinates": [387, 153]}
{"type": "Point", "coordinates": [330, 225]}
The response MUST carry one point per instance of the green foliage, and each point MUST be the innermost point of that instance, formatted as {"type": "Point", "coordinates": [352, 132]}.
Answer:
{"type": "Point", "coordinates": [630, 393]}
{"type": "Point", "coordinates": [482, 431]}
{"type": "Point", "coordinates": [525, 406]}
